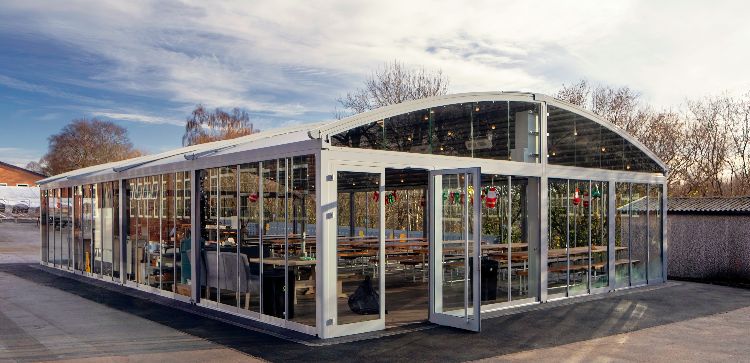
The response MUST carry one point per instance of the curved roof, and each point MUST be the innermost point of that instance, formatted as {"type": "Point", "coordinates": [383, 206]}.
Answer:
{"type": "Point", "coordinates": [323, 130]}
{"type": "Point", "coordinates": [368, 117]}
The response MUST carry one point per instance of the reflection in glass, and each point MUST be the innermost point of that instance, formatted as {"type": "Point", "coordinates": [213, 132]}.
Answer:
{"type": "Point", "coordinates": [457, 242]}
{"type": "Point", "coordinates": [301, 237]}
{"type": "Point", "coordinates": [575, 140]}
{"type": "Point", "coordinates": [358, 246]}
{"type": "Point", "coordinates": [250, 249]}
{"type": "Point", "coordinates": [44, 220]}
{"type": "Point", "coordinates": [599, 235]}
{"type": "Point", "coordinates": [655, 233]}
{"type": "Point", "coordinates": [501, 130]}
{"type": "Point", "coordinates": [106, 213]}
{"type": "Point", "coordinates": [183, 268]}
{"type": "Point", "coordinates": [116, 229]}
{"type": "Point", "coordinates": [276, 282]}
{"type": "Point", "coordinates": [638, 234]}
{"type": "Point", "coordinates": [622, 235]}
{"type": "Point", "coordinates": [168, 232]}
{"type": "Point", "coordinates": [78, 228]}
{"type": "Point", "coordinates": [578, 253]}
{"type": "Point", "coordinates": [557, 253]}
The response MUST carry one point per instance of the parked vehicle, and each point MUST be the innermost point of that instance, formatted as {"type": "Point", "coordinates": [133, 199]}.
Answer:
{"type": "Point", "coordinates": [20, 208]}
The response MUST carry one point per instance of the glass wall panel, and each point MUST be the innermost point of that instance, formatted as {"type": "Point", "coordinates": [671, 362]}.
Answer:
{"type": "Point", "coordinates": [456, 226]}
{"type": "Point", "coordinates": [276, 281]}
{"type": "Point", "coordinates": [230, 285]}
{"type": "Point", "coordinates": [638, 233]}
{"type": "Point", "coordinates": [44, 223]}
{"type": "Point", "coordinates": [209, 183]}
{"type": "Point", "coordinates": [302, 262]}
{"type": "Point", "coordinates": [500, 130]}
{"type": "Point", "coordinates": [78, 244]}
{"type": "Point", "coordinates": [557, 253]}
{"type": "Point", "coordinates": [116, 246]}
{"type": "Point", "coordinates": [153, 247]}
{"type": "Point", "coordinates": [67, 227]}
{"type": "Point", "coordinates": [575, 140]}
{"type": "Point", "coordinates": [579, 238]}
{"type": "Point", "coordinates": [250, 247]}
{"type": "Point", "coordinates": [599, 235]}
{"type": "Point", "coordinates": [132, 193]}
{"type": "Point", "coordinates": [357, 253]}
{"type": "Point", "coordinates": [106, 213]}
{"type": "Point", "coordinates": [183, 272]}
{"type": "Point", "coordinates": [55, 227]}
{"type": "Point", "coordinates": [141, 247]}
{"type": "Point", "coordinates": [168, 233]}
{"type": "Point", "coordinates": [497, 251]}
{"type": "Point", "coordinates": [519, 239]}
{"type": "Point", "coordinates": [87, 228]}
{"type": "Point", "coordinates": [96, 230]}
{"type": "Point", "coordinates": [655, 233]}
{"type": "Point", "coordinates": [622, 235]}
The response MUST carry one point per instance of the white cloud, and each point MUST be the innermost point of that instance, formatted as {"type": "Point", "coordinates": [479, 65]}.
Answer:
{"type": "Point", "coordinates": [135, 117]}
{"type": "Point", "coordinates": [291, 59]}
{"type": "Point", "coordinates": [19, 157]}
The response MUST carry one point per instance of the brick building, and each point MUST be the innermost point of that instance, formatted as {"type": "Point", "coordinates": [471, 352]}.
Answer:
{"type": "Point", "coordinates": [11, 175]}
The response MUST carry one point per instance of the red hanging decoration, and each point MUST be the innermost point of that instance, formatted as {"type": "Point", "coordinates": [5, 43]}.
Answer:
{"type": "Point", "coordinates": [490, 201]}
{"type": "Point", "coordinates": [253, 197]}
{"type": "Point", "coordinates": [586, 199]}
{"type": "Point", "coordinates": [576, 198]}
{"type": "Point", "coordinates": [375, 196]}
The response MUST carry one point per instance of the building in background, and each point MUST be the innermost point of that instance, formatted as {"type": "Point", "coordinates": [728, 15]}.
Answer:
{"type": "Point", "coordinates": [16, 176]}
{"type": "Point", "coordinates": [710, 238]}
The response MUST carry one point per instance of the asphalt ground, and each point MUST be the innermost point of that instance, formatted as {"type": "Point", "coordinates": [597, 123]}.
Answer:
{"type": "Point", "coordinates": [47, 315]}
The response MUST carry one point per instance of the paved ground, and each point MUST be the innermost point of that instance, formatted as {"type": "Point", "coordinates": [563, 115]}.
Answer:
{"type": "Point", "coordinates": [19, 242]}
{"type": "Point", "coordinates": [48, 316]}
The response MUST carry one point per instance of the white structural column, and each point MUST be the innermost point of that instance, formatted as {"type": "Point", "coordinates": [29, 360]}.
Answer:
{"type": "Point", "coordinates": [326, 249]}
{"type": "Point", "coordinates": [543, 204]}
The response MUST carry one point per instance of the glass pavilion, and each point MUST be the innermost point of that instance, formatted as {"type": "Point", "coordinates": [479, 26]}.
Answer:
{"type": "Point", "coordinates": [449, 208]}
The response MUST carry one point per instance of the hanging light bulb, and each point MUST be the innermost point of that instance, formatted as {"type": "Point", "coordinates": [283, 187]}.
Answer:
{"type": "Point", "coordinates": [492, 126]}
{"type": "Point", "coordinates": [476, 109]}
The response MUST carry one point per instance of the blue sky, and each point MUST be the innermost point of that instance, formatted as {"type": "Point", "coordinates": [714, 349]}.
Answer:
{"type": "Point", "coordinates": [145, 65]}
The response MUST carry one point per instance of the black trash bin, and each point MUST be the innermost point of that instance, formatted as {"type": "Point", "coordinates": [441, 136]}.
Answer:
{"type": "Point", "coordinates": [488, 277]}
{"type": "Point", "coordinates": [273, 293]}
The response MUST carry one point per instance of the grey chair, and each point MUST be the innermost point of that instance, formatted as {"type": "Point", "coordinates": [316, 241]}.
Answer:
{"type": "Point", "coordinates": [238, 277]}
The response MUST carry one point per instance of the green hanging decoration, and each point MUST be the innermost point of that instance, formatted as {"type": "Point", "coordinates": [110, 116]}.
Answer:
{"type": "Point", "coordinates": [596, 193]}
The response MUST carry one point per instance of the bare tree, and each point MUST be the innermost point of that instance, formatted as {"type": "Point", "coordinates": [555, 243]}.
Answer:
{"type": "Point", "coordinates": [205, 126]}
{"type": "Point", "coordinates": [393, 83]}
{"type": "Point", "coordinates": [85, 142]}
{"type": "Point", "coordinates": [708, 143]}
{"type": "Point", "coordinates": [577, 93]}
{"type": "Point", "coordinates": [35, 167]}
{"type": "Point", "coordinates": [740, 145]}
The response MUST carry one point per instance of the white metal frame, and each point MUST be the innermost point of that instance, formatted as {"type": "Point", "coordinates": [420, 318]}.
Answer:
{"type": "Point", "coordinates": [328, 158]}
{"type": "Point", "coordinates": [471, 318]}
{"type": "Point", "coordinates": [329, 259]}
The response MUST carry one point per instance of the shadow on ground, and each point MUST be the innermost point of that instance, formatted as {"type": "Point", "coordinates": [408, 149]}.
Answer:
{"type": "Point", "coordinates": [541, 327]}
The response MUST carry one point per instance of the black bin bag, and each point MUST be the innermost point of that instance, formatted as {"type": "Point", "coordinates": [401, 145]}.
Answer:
{"type": "Point", "coordinates": [365, 300]}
